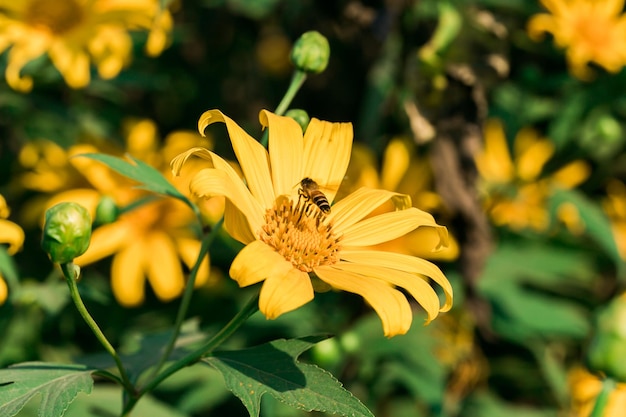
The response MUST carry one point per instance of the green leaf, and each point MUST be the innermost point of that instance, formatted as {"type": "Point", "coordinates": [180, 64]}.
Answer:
{"type": "Point", "coordinates": [272, 368]}
{"type": "Point", "coordinates": [597, 224]}
{"type": "Point", "coordinates": [58, 385]}
{"type": "Point", "coordinates": [150, 178]}
{"type": "Point", "coordinates": [526, 282]}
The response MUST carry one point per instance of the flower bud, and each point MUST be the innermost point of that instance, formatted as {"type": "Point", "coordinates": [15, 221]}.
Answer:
{"type": "Point", "coordinates": [311, 52]}
{"type": "Point", "coordinates": [66, 232]}
{"type": "Point", "coordinates": [106, 211]}
{"type": "Point", "coordinates": [300, 116]}
{"type": "Point", "coordinates": [608, 347]}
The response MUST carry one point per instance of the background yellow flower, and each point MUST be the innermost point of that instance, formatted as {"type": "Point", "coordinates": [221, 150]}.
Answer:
{"type": "Point", "coordinates": [515, 192]}
{"type": "Point", "coordinates": [11, 234]}
{"type": "Point", "coordinates": [74, 33]}
{"type": "Point", "coordinates": [152, 239]}
{"type": "Point", "coordinates": [590, 30]}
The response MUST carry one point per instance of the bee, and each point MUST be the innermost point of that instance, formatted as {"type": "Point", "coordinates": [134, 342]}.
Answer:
{"type": "Point", "coordinates": [311, 191]}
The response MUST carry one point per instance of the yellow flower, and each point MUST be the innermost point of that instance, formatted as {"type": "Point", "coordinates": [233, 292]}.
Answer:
{"type": "Point", "coordinates": [615, 207]}
{"type": "Point", "coordinates": [406, 173]}
{"type": "Point", "coordinates": [149, 241]}
{"type": "Point", "coordinates": [514, 190]}
{"type": "Point", "coordinates": [75, 32]}
{"type": "Point", "coordinates": [289, 240]}
{"type": "Point", "coordinates": [584, 389]}
{"type": "Point", "coordinates": [590, 30]}
{"type": "Point", "coordinates": [11, 234]}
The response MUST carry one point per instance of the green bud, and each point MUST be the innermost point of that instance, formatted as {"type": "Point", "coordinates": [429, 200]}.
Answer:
{"type": "Point", "coordinates": [299, 116]}
{"type": "Point", "coordinates": [608, 347]}
{"type": "Point", "coordinates": [106, 211]}
{"type": "Point", "coordinates": [311, 52]}
{"type": "Point", "coordinates": [66, 232]}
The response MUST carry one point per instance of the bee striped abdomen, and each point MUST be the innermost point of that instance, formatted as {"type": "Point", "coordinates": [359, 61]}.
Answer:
{"type": "Point", "coordinates": [310, 191]}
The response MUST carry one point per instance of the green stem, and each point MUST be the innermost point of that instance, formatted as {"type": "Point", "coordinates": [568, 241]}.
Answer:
{"type": "Point", "coordinates": [608, 385]}
{"type": "Point", "coordinates": [298, 78]}
{"type": "Point", "coordinates": [69, 271]}
{"type": "Point", "coordinates": [186, 299]}
{"type": "Point", "coordinates": [235, 323]}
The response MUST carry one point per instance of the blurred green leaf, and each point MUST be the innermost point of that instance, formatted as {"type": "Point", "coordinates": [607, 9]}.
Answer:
{"type": "Point", "coordinates": [57, 384]}
{"type": "Point", "coordinates": [8, 269]}
{"type": "Point", "coordinates": [487, 405]}
{"type": "Point", "coordinates": [523, 282]}
{"type": "Point", "coordinates": [272, 368]}
{"type": "Point", "coordinates": [597, 224]}
{"type": "Point", "coordinates": [407, 361]}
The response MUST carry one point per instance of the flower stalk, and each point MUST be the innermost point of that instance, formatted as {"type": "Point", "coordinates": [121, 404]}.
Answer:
{"type": "Point", "coordinates": [71, 272]}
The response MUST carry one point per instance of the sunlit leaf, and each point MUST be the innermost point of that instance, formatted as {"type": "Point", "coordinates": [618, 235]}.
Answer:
{"type": "Point", "coordinates": [149, 177]}
{"type": "Point", "coordinates": [57, 385]}
{"type": "Point", "coordinates": [272, 368]}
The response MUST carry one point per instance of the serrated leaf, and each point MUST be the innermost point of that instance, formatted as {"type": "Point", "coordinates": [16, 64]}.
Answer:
{"type": "Point", "coordinates": [58, 385]}
{"type": "Point", "coordinates": [150, 178]}
{"type": "Point", "coordinates": [272, 368]}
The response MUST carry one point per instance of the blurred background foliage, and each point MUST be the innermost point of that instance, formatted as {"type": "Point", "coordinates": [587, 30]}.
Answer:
{"type": "Point", "coordinates": [453, 103]}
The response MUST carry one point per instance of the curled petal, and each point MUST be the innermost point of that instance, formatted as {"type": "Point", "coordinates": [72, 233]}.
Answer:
{"type": "Point", "coordinates": [252, 156]}
{"type": "Point", "coordinates": [390, 304]}
{"type": "Point", "coordinates": [177, 163]}
{"type": "Point", "coordinates": [210, 182]}
{"type": "Point", "coordinates": [404, 263]}
{"type": "Point", "coordinates": [282, 293]}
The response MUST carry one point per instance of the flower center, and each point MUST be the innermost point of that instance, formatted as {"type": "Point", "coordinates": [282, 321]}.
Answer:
{"type": "Point", "coordinates": [301, 234]}
{"type": "Point", "coordinates": [56, 16]}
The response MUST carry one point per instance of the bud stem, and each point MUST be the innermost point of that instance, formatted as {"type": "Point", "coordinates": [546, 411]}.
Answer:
{"type": "Point", "coordinates": [70, 271]}
{"type": "Point", "coordinates": [298, 78]}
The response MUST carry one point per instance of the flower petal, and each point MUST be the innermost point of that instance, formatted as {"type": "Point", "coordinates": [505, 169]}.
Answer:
{"type": "Point", "coordinates": [361, 203]}
{"type": "Point", "coordinates": [283, 293]}
{"type": "Point", "coordinates": [405, 263]}
{"type": "Point", "coordinates": [210, 182]}
{"type": "Point", "coordinates": [390, 304]}
{"type": "Point", "coordinates": [252, 156]}
{"type": "Point", "coordinates": [388, 226]}
{"type": "Point", "coordinates": [256, 262]}
{"type": "Point", "coordinates": [179, 161]}
{"type": "Point", "coordinates": [286, 149]}
{"type": "Point", "coordinates": [327, 154]}
{"type": "Point", "coordinates": [105, 241]}
{"type": "Point", "coordinates": [188, 249]}
{"type": "Point", "coordinates": [163, 266]}
{"type": "Point", "coordinates": [4, 290]}
{"type": "Point", "coordinates": [495, 163]}
{"type": "Point", "coordinates": [127, 275]}
{"type": "Point", "coordinates": [12, 234]}
{"type": "Point", "coordinates": [413, 283]}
